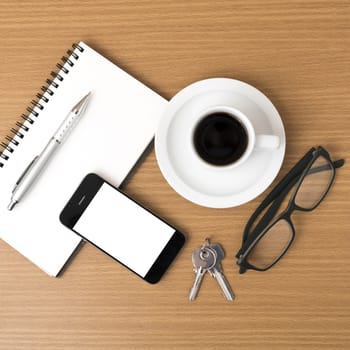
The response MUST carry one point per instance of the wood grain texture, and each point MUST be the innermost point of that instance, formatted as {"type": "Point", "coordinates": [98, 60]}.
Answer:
{"type": "Point", "coordinates": [297, 53]}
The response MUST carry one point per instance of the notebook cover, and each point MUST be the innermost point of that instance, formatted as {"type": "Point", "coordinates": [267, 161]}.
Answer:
{"type": "Point", "coordinates": [118, 125]}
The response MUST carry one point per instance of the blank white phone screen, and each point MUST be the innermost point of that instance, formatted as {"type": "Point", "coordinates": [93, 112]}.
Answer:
{"type": "Point", "coordinates": [123, 229]}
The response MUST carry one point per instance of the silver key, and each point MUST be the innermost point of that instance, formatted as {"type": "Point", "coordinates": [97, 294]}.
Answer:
{"type": "Point", "coordinates": [217, 273]}
{"type": "Point", "coordinates": [203, 259]}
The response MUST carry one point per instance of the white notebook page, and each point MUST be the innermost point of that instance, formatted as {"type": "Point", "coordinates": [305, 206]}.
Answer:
{"type": "Point", "coordinates": [118, 124]}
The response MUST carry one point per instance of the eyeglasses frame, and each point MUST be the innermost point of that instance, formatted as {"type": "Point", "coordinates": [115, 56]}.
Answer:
{"type": "Point", "coordinates": [243, 254]}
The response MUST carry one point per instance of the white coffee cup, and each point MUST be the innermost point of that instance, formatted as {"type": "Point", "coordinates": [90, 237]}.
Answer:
{"type": "Point", "coordinates": [223, 137]}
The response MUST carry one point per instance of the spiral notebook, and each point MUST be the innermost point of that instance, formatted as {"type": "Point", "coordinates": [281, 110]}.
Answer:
{"type": "Point", "coordinates": [116, 128]}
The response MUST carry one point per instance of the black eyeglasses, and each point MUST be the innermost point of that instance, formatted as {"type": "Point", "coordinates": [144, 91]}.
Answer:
{"type": "Point", "coordinates": [265, 244]}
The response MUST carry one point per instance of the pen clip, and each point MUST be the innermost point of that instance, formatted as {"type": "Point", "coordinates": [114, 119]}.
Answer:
{"type": "Point", "coordinates": [24, 173]}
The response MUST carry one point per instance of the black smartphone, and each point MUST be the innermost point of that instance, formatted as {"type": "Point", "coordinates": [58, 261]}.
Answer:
{"type": "Point", "coordinates": [122, 228]}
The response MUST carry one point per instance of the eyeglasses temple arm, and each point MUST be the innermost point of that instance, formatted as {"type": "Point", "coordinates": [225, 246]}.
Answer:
{"type": "Point", "coordinates": [337, 164]}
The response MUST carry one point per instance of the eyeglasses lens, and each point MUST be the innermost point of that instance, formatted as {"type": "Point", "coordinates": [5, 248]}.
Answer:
{"type": "Point", "coordinates": [272, 245]}
{"type": "Point", "coordinates": [315, 184]}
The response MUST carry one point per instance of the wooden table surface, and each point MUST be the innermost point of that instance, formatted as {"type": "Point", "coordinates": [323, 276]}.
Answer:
{"type": "Point", "coordinates": [297, 53]}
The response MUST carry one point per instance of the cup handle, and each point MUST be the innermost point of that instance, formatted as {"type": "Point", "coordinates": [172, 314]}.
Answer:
{"type": "Point", "coordinates": [267, 141]}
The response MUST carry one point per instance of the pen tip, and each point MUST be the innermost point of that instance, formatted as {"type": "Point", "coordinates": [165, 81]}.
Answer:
{"type": "Point", "coordinates": [81, 104]}
{"type": "Point", "coordinates": [85, 97]}
{"type": "Point", "coordinates": [11, 205]}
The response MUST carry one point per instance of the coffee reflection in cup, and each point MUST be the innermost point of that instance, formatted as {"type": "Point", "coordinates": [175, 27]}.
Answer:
{"type": "Point", "coordinates": [220, 139]}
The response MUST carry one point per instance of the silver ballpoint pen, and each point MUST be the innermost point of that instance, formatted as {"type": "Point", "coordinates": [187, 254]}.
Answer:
{"type": "Point", "coordinates": [33, 170]}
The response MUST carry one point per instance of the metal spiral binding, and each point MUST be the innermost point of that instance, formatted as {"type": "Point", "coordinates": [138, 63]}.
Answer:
{"type": "Point", "coordinates": [12, 141]}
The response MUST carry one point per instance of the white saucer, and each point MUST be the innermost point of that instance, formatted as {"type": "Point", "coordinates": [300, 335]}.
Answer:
{"type": "Point", "coordinates": [210, 186]}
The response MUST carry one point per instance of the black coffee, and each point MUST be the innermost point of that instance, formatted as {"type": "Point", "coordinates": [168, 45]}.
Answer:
{"type": "Point", "coordinates": [220, 139]}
